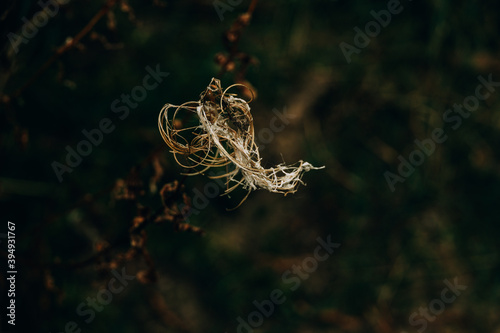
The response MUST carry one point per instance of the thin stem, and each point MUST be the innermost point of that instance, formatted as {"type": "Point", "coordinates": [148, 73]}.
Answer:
{"type": "Point", "coordinates": [70, 43]}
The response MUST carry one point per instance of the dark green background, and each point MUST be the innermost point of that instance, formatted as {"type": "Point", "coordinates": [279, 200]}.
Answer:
{"type": "Point", "coordinates": [355, 119]}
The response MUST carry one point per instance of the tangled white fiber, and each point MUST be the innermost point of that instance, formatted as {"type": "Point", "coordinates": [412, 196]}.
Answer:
{"type": "Point", "coordinates": [223, 136]}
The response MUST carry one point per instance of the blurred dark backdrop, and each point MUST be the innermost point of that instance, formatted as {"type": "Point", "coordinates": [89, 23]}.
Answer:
{"type": "Point", "coordinates": [354, 117]}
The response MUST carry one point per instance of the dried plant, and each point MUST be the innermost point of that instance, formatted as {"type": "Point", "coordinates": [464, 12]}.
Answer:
{"type": "Point", "coordinates": [223, 136]}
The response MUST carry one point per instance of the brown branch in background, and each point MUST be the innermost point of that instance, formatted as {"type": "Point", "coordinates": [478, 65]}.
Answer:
{"type": "Point", "coordinates": [173, 196]}
{"type": "Point", "coordinates": [176, 205]}
{"type": "Point", "coordinates": [227, 61]}
{"type": "Point", "coordinates": [70, 43]}
{"type": "Point", "coordinates": [89, 199]}
{"type": "Point", "coordinates": [252, 6]}
{"type": "Point", "coordinates": [7, 11]}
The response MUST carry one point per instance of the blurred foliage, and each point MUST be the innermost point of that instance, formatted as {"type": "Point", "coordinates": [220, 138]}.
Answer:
{"type": "Point", "coordinates": [200, 275]}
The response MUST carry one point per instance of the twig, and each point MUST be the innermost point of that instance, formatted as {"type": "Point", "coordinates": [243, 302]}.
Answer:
{"type": "Point", "coordinates": [70, 43]}
{"type": "Point", "coordinates": [237, 28]}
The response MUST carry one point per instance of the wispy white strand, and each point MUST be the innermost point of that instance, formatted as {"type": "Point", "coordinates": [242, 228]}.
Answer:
{"type": "Point", "coordinates": [223, 143]}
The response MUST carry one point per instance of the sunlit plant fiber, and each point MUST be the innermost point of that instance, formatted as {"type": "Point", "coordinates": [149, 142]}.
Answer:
{"type": "Point", "coordinates": [224, 137]}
